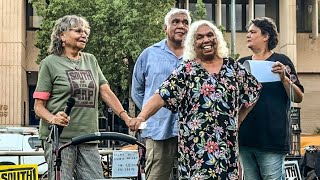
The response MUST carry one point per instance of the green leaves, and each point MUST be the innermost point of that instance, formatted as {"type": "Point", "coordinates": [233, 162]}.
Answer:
{"type": "Point", "coordinates": [200, 12]}
{"type": "Point", "coordinates": [120, 30]}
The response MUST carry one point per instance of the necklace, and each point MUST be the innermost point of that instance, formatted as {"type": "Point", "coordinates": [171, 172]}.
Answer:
{"type": "Point", "coordinates": [75, 64]}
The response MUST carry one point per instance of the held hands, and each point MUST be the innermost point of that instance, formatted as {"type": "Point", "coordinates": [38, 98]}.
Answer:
{"type": "Point", "coordinates": [61, 119]}
{"type": "Point", "coordinates": [135, 123]}
{"type": "Point", "coordinates": [132, 123]}
{"type": "Point", "coordinates": [278, 67]}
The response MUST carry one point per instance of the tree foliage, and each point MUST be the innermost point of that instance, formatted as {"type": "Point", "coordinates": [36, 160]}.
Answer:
{"type": "Point", "coordinates": [120, 30]}
{"type": "Point", "coordinates": [200, 12]}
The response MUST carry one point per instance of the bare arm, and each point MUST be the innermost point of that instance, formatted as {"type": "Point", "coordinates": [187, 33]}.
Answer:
{"type": "Point", "coordinates": [152, 106]}
{"type": "Point", "coordinates": [149, 109]}
{"type": "Point", "coordinates": [113, 102]}
{"type": "Point", "coordinates": [298, 94]}
{"type": "Point", "coordinates": [61, 118]}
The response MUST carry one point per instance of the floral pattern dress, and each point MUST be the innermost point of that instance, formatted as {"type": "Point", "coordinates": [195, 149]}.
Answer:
{"type": "Point", "coordinates": [208, 106]}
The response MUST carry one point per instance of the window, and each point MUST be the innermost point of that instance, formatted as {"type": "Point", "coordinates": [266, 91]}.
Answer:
{"type": "Point", "coordinates": [304, 15]}
{"type": "Point", "coordinates": [262, 8]}
{"type": "Point", "coordinates": [34, 142]}
{"type": "Point", "coordinates": [33, 20]}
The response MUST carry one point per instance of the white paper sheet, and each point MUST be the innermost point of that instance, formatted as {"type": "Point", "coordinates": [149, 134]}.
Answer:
{"type": "Point", "coordinates": [261, 70]}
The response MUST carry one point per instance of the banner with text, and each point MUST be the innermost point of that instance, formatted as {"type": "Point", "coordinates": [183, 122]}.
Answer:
{"type": "Point", "coordinates": [19, 172]}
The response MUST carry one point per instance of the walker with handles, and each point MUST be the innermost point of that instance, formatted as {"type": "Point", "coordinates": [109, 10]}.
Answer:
{"type": "Point", "coordinates": [94, 137]}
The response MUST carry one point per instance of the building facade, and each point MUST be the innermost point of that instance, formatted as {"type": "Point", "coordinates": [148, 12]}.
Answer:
{"type": "Point", "coordinates": [297, 22]}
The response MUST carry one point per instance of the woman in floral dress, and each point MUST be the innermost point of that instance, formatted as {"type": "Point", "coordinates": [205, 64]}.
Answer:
{"type": "Point", "coordinates": [212, 94]}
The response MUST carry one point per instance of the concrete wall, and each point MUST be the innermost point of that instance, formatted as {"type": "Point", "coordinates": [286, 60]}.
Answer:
{"type": "Point", "coordinates": [308, 53]}
{"type": "Point", "coordinates": [310, 106]}
{"type": "Point", "coordinates": [12, 63]}
{"type": "Point", "coordinates": [32, 52]}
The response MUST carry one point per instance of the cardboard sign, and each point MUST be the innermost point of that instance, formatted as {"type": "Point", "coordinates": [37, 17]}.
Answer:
{"type": "Point", "coordinates": [19, 172]}
{"type": "Point", "coordinates": [292, 170]}
{"type": "Point", "coordinates": [125, 163]}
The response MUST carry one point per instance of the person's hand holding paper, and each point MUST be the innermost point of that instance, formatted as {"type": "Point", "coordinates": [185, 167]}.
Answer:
{"type": "Point", "coordinates": [262, 70]}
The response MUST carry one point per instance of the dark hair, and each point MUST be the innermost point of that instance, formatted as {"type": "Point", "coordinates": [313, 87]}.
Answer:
{"type": "Point", "coordinates": [267, 26]}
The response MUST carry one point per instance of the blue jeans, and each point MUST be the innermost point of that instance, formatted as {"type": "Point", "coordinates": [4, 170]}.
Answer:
{"type": "Point", "coordinates": [262, 165]}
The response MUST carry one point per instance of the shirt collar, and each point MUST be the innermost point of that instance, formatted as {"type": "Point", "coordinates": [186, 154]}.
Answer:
{"type": "Point", "coordinates": [163, 45]}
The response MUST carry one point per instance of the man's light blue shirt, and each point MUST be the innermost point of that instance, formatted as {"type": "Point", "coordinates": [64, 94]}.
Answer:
{"type": "Point", "coordinates": [152, 68]}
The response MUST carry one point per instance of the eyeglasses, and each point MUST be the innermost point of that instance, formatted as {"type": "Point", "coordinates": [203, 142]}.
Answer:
{"type": "Point", "coordinates": [80, 30]}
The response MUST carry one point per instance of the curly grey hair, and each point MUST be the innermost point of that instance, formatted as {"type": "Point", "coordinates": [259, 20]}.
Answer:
{"type": "Point", "coordinates": [189, 51]}
{"type": "Point", "coordinates": [65, 24]}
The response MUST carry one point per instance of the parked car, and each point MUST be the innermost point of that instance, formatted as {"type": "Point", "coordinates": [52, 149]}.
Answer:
{"type": "Point", "coordinates": [23, 139]}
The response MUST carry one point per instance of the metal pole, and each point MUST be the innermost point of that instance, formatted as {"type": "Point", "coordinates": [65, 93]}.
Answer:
{"type": "Point", "coordinates": [233, 27]}
{"type": "Point", "coordinates": [251, 9]}
{"type": "Point", "coordinates": [187, 4]}
{"type": "Point", "coordinates": [315, 26]}
{"type": "Point", "coordinates": [113, 143]}
{"type": "Point", "coordinates": [218, 13]}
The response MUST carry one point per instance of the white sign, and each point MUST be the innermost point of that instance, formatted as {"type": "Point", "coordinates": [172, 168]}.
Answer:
{"type": "Point", "coordinates": [261, 70]}
{"type": "Point", "coordinates": [292, 170]}
{"type": "Point", "coordinates": [125, 163]}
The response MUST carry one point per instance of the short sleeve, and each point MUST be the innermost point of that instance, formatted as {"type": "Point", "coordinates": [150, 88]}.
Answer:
{"type": "Point", "coordinates": [249, 86]}
{"type": "Point", "coordinates": [173, 89]}
{"type": "Point", "coordinates": [45, 77]}
{"type": "Point", "coordinates": [44, 84]}
{"type": "Point", "coordinates": [291, 72]}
